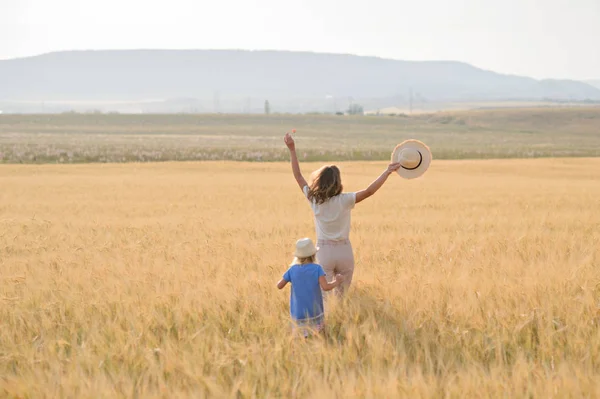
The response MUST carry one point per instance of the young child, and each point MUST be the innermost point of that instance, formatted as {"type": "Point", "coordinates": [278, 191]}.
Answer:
{"type": "Point", "coordinates": [307, 278]}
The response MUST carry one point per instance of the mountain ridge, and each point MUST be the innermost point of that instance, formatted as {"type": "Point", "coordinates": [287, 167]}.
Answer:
{"type": "Point", "coordinates": [229, 79]}
{"type": "Point", "coordinates": [593, 82]}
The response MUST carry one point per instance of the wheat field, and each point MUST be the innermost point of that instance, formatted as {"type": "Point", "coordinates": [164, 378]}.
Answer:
{"type": "Point", "coordinates": [478, 134]}
{"type": "Point", "coordinates": [482, 279]}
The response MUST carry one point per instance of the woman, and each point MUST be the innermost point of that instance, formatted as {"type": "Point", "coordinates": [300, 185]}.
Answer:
{"type": "Point", "coordinates": [331, 209]}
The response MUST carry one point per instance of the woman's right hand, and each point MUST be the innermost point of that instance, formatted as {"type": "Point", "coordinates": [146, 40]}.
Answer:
{"type": "Point", "coordinates": [289, 142]}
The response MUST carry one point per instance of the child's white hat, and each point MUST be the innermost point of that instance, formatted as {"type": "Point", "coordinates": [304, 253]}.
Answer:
{"type": "Point", "coordinates": [305, 248]}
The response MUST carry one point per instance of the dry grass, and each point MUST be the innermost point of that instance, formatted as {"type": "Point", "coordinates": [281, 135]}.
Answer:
{"type": "Point", "coordinates": [503, 133]}
{"type": "Point", "coordinates": [158, 280]}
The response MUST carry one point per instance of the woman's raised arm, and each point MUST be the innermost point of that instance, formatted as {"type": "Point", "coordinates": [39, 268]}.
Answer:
{"type": "Point", "coordinates": [376, 185]}
{"type": "Point", "coordinates": [289, 142]}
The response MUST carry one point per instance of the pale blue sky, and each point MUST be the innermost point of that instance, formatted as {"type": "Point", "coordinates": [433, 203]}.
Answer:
{"type": "Point", "coordinates": [538, 38]}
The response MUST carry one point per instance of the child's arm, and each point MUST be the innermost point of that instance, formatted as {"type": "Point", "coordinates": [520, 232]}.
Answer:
{"type": "Point", "coordinates": [282, 283]}
{"type": "Point", "coordinates": [325, 286]}
{"type": "Point", "coordinates": [289, 142]}
{"type": "Point", "coordinates": [286, 278]}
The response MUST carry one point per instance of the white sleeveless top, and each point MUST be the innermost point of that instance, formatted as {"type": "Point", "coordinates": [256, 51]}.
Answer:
{"type": "Point", "coordinates": [332, 218]}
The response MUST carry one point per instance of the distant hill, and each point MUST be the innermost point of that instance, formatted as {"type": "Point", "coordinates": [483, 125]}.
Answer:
{"type": "Point", "coordinates": [595, 83]}
{"type": "Point", "coordinates": [223, 80]}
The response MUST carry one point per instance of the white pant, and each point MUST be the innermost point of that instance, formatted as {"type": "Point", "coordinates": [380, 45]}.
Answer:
{"type": "Point", "coordinates": [336, 257]}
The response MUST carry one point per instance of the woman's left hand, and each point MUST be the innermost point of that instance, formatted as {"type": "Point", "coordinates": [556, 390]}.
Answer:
{"type": "Point", "coordinates": [393, 167]}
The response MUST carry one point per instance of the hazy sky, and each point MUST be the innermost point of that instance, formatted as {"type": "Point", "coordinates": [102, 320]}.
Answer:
{"type": "Point", "coordinates": [538, 38]}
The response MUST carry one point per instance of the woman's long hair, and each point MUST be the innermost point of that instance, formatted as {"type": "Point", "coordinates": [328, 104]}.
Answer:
{"type": "Point", "coordinates": [326, 183]}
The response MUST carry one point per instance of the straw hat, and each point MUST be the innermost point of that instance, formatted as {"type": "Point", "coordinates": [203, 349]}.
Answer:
{"type": "Point", "coordinates": [305, 248]}
{"type": "Point", "coordinates": [414, 158]}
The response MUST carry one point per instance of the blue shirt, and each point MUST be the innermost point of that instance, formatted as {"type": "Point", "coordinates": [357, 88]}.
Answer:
{"type": "Point", "coordinates": [306, 299]}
